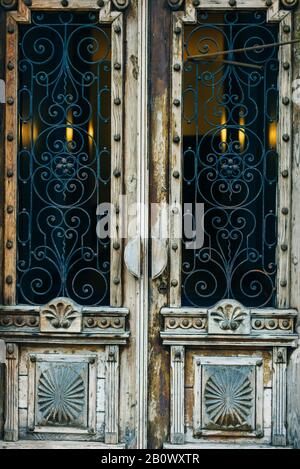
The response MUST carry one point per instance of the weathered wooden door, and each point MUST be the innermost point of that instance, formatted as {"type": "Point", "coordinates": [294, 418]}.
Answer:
{"type": "Point", "coordinates": [72, 294]}
{"type": "Point", "coordinates": [222, 299]}
{"type": "Point", "coordinates": [150, 279]}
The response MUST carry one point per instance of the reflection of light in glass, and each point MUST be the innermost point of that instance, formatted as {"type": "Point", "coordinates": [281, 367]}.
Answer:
{"type": "Point", "coordinates": [224, 130]}
{"type": "Point", "coordinates": [91, 135]}
{"type": "Point", "coordinates": [272, 134]}
{"type": "Point", "coordinates": [26, 131]}
{"type": "Point", "coordinates": [242, 135]}
{"type": "Point", "coordinates": [35, 133]}
{"type": "Point", "coordinates": [69, 134]}
{"type": "Point", "coordinates": [69, 128]}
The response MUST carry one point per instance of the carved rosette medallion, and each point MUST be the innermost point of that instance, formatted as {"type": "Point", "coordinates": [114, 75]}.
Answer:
{"type": "Point", "coordinates": [228, 398]}
{"type": "Point", "coordinates": [61, 395]}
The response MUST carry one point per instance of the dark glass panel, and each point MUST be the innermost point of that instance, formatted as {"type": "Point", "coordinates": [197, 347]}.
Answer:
{"type": "Point", "coordinates": [230, 161]}
{"type": "Point", "coordinates": [64, 157]}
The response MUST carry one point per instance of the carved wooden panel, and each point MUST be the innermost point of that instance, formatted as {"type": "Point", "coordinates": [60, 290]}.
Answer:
{"type": "Point", "coordinates": [63, 393]}
{"type": "Point", "coordinates": [228, 396]}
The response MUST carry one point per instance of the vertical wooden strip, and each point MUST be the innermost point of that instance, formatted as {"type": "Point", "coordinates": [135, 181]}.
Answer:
{"type": "Point", "coordinates": [128, 357]}
{"type": "Point", "coordinates": [176, 150]}
{"type": "Point", "coordinates": [176, 166]}
{"type": "Point", "coordinates": [285, 156]}
{"type": "Point", "coordinates": [31, 365]}
{"type": "Point", "coordinates": [10, 166]}
{"type": "Point", "coordinates": [143, 224]}
{"type": "Point", "coordinates": [177, 394]}
{"type": "Point", "coordinates": [11, 393]}
{"type": "Point", "coordinates": [197, 414]}
{"type": "Point", "coordinates": [116, 160]}
{"type": "Point", "coordinates": [279, 396]}
{"type": "Point", "coordinates": [2, 136]}
{"type": "Point", "coordinates": [294, 362]}
{"type": "Point", "coordinates": [92, 414]}
{"type": "Point", "coordinates": [2, 385]}
{"type": "Point", "coordinates": [112, 395]}
{"type": "Point", "coordinates": [160, 37]}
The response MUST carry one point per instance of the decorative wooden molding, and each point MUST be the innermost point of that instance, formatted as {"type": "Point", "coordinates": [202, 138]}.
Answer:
{"type": "Point", "coordinates": [177, 395]}
{"type": "Point", "coordinates": [229, 322]}
{"type": "Point", "coordinates": [279, 410]}
{"type": "Point", "coordinates": [62, 318]}
{"type": "Point", "coordinates": [11, 393]}
{"type": "Point", "coordinates": [11, 321]}
{"type": "Point", "coordinates": [112, 396]}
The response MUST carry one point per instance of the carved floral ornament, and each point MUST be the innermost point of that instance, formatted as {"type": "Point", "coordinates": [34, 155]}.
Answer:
{"type": "Point", "coordinates": [117, 4]}
{"type": "Point", "coordinates": [60, 313]}
{"type": "Point", "coordinates": [229, 316]}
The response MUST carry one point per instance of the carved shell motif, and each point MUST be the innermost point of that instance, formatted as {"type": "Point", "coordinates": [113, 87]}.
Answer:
{"type": "Point", "coordinates": [61, 395]}
{"type": "Point", "coordinates": [60, 314]}
{"type": "Point", "coordinates": [228, 398]}
{"type": "Point", "coordinates": [229, 317]}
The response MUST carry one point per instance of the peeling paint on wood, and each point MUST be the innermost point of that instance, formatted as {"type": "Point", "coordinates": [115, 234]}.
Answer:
{"type": "Point", "coordinates": [159, 360]}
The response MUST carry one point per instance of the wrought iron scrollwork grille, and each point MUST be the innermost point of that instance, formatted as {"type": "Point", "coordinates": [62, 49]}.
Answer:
{"type": "Point", "coordinates": [230, 161]}
{"type": "Point", "coordinates": [64, 157]}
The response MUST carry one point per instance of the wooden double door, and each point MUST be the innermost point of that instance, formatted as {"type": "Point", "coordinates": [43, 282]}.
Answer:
{"type": "Point", "coordinates": [149, 283]}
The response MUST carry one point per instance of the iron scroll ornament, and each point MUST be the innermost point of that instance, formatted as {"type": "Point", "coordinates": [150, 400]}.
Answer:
{"type": "Point", "coordinates": [64, 158]}
{"type": "Point", "coordinates": [8, 4]}
{"type": "Point", "coordinates": [175, 4]}
{"type": "Point", "coordinates": [289, 3]}
{"type": "Point", "coordinates": [121, 4]}
{"type": "Point", "coordinates": [230, 115]}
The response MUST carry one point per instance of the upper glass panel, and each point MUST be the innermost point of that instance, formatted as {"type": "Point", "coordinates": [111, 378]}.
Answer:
{"type": "Point", "coordinates": [64, 158]}
{"type": "Point", "coordinates": [230, 161]}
